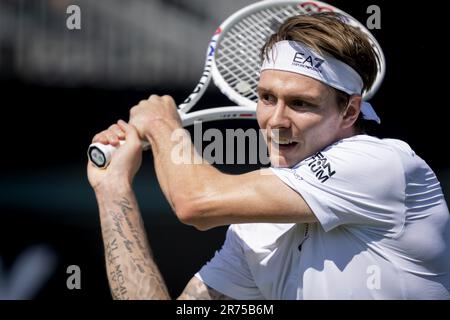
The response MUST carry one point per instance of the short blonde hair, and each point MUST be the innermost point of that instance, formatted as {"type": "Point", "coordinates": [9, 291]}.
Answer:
{"type": "Point", "coordinates": [327, 32]}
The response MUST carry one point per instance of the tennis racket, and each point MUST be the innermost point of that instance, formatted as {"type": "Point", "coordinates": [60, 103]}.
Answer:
{"type": "Point", "coordinates": [233, 62]}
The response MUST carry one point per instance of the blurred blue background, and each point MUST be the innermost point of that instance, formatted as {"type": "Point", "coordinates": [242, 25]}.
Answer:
{"type": "Point", "coordinates": [59, 87]}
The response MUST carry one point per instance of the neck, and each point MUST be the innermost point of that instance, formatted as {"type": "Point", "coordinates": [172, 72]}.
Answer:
{"type": "Point", "coordinates": [349, 132]}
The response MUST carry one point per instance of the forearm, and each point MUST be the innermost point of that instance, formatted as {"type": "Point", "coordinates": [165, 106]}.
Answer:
{"type": "Point", "coordinates": [132, 272]}
{"type": "Point", "coordinates": [182, 174]}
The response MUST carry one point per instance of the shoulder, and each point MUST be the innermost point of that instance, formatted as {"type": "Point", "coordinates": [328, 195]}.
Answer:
{"type": "Point", "coordinates": [362, 156]}
{"type": "Point", "coordinates": [383, 155]}
{"type": "Point", "coordinates": [374, 151]}
{"type": "Point", "coordinates": [360, 165]}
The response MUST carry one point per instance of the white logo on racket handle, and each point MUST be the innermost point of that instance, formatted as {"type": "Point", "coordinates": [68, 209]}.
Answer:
{"type": "Point", "coordinates": [100, 154]}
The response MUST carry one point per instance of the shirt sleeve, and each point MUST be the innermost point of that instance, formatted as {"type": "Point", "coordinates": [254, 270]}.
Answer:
{"type": "Point", "coordinates": [228, 271]}
{"type": "Point", "coordinates": [352, 183]}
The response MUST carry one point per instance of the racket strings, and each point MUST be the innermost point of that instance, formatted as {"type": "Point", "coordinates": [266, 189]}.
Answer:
{"type": "Point", "coordinates": [247, 69]}
{"type": "Point", "coordinates": [238, 53]}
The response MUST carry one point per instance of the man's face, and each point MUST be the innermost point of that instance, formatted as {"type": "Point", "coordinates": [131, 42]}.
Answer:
{"type": "Point", "coordinates": [300, 114]}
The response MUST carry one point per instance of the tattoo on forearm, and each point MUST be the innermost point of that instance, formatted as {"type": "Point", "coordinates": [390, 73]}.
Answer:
{"type": "Point", "coordinates": [198, 290]}
{"type": "Point", "coordinates": [119, 291]}
{"type": "Point", "coordinates": [109, 251]}
{"type": "Point", "coordinates": [138, 262]}
{"type": "Point", "coordinates": [125, 208]}
{"type": "Point", "coordinates": [132, 272]}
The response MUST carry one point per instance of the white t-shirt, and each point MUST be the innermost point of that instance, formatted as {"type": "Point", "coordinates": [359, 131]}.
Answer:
{"type": "Point", "coordinates": [384, 232]}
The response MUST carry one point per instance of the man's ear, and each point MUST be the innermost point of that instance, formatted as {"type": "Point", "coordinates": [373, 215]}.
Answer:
{"type": "Point", "coordinates": [352, 111]}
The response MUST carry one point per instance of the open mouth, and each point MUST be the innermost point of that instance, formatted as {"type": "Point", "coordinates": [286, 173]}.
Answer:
{"type": "Point", "coordinates": [284, 144]}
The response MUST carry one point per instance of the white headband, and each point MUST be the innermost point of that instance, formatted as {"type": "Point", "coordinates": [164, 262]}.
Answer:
{"type": "Point", "coordinates": [298, 58]}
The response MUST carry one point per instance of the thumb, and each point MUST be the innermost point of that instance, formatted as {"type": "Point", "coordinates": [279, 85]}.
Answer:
{"type": "Point", "coordinates": [131, 134]}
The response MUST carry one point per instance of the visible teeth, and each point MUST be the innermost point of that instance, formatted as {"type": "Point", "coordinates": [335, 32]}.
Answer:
{"type": "Point", "coordinates": [281, 140]}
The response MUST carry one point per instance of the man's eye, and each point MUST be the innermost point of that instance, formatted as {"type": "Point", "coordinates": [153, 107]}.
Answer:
{"type": "Point", "coordinates": [297, 104]}
{"type": "Point", "coordinates": [267, 98]}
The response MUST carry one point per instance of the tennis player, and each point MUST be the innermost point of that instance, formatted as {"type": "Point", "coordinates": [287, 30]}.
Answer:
{"type": "Point", "coordinates": [339, 215]}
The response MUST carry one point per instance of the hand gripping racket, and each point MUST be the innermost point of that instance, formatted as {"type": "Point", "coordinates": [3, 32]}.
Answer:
{"type": "Point", "coordinates": [233, 62]}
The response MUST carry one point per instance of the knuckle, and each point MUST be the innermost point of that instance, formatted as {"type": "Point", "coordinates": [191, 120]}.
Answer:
{"type": "Point", "coordinates": [99, 137]}
{"type": "Point", "coordinates": [154, 97]}
{"type": "Point", "coordinates": [168, 100]}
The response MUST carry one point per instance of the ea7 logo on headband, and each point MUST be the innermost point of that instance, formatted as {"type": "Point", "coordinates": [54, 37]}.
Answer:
{"type": "Point", "coordinates": [309, 62]}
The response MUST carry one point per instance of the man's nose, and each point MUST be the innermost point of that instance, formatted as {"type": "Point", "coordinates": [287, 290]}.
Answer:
{"type": "Point", "coordinates": [280, 116]}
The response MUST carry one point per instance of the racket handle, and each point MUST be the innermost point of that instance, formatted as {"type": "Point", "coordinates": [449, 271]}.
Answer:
{"type": "Point", "coordinates": [101, 154]}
